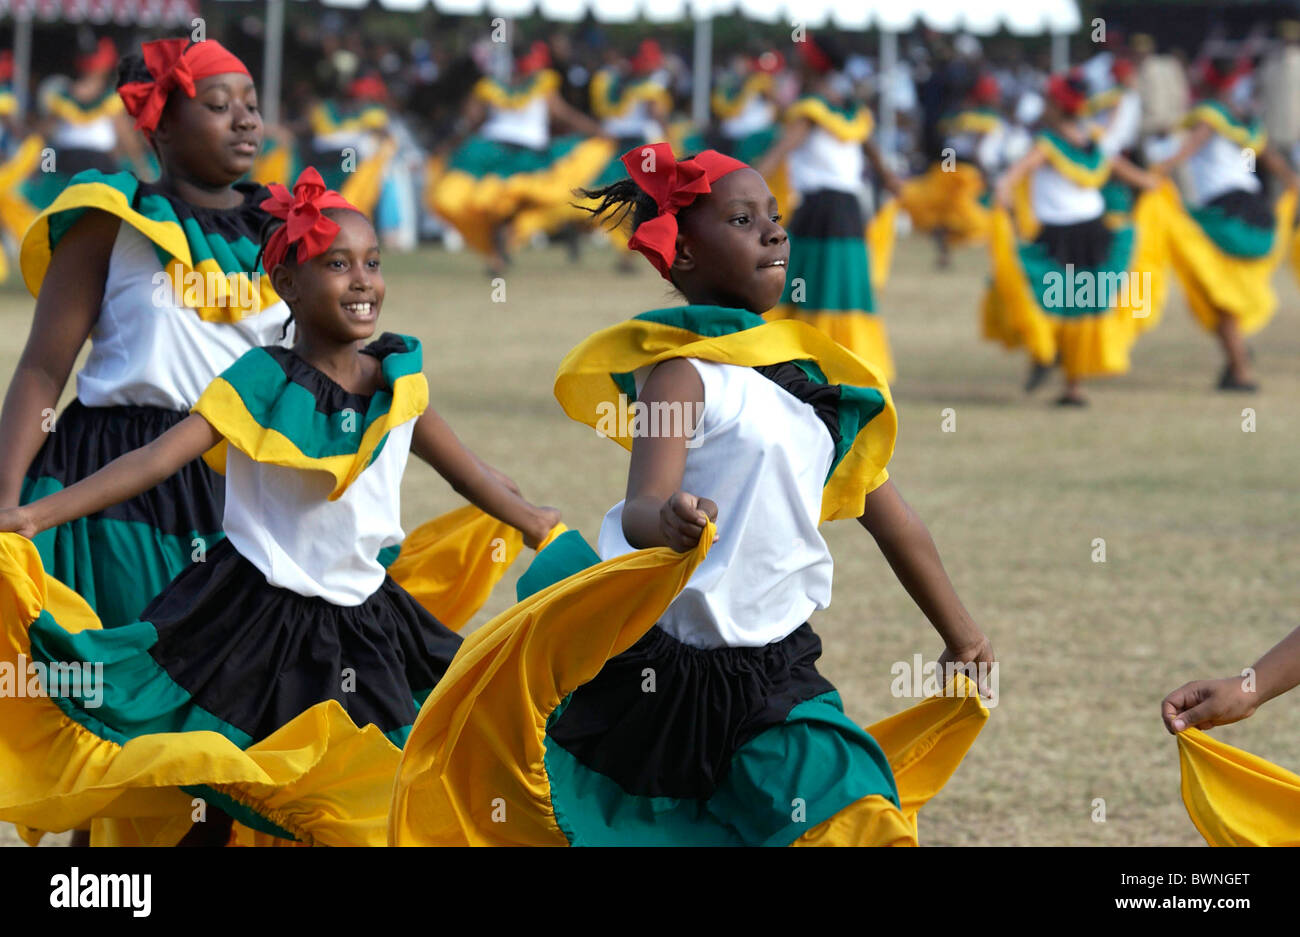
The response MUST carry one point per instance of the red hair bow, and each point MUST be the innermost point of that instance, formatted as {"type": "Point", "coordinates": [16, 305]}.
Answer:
{"type": "Point", "coordinates": [174, 63]}
{"type": "Point", "coordinates": [305, 225]}
{"type": "Point", "coordinates": [673, 185]}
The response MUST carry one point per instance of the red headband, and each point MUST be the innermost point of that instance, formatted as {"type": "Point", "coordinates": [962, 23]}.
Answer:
{"type": "Point", "coordinates": [673, 186]}
{"type": "Point", "coordinates": [1065, 95]}
{"type": "Point", "coordinates": [174, 63]}
{"type": "Point", "coordinates": [305, 224]}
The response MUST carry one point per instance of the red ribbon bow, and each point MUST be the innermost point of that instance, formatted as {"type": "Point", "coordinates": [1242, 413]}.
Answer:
{"type": "Point", "coordinates": [305, 224]}
{"type": "Point", "coordinates": [173, 63]}
{"type": "Point", "coordinates": [673, 185]}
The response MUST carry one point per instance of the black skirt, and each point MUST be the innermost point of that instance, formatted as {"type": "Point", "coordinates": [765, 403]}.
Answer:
{"type": "Point", "coordinates": [1086, 245]}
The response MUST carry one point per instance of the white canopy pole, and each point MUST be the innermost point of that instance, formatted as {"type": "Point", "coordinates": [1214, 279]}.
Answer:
{"type": "Point", "coordinates": [273, 60]}
{"type": "Point", "coordinates": [1060, 52]}
{"type": "Point", "coordinates": [888, 65]}
{"type": "Point", "coordinates": [702, 70]}
{"type": "Point", "coordinates": [22, 54]}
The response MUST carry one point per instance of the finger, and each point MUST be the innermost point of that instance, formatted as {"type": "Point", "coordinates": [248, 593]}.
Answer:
{"type": "Point", "coordinates": [1203, 716]}
{"type": "Point", "coordinates": [708, 507]}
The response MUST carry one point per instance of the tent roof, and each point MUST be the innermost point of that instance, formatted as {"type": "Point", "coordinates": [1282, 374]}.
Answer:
{"type": "Point", "coordinates": [104, 12]}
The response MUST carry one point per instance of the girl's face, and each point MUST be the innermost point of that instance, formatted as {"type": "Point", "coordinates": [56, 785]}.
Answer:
{"type": "Point", "coordinates": [336, 295]}
{"type": "Point", "coordinates": [215, 136]}
{"type": "Point", "coordinates": [732, 250]}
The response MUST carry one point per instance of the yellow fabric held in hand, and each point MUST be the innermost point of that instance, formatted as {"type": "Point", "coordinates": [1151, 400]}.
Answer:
{"type": "Point", "coordinates": [451, 563]}
{"type": "Point", "coordinates": [472, 772]}
{"type": "Point", "coordinates": [1235, 798]}
{"type": "Point", "coordinates": [881, 234]}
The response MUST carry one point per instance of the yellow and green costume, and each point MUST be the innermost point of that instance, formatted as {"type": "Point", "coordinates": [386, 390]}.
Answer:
{"type": "Point", "coordinates": [1235, 798]}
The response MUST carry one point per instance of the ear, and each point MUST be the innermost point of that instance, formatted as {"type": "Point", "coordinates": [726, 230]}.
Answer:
{"type": "Point", "coordinates": [685, 259]}
{"type": "Point", "coordinates": [282, 280]}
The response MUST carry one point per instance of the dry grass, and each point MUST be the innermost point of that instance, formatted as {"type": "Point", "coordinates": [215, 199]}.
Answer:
{"type": "Point", "coordinates": [1199, 518]}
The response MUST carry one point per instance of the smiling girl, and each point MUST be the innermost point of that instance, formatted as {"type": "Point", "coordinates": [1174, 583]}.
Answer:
{"type": "Point", "coordinates": [290, 645]}
{"type": "Point", "coordinates": [163, 279]}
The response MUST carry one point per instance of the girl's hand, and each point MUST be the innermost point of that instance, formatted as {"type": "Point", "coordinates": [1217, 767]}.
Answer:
{"type": "Point", "coordinates": [1204, 704]}
{"type": "Point", "coordinates": [547, 518]}
{"type": "Point", "coordinates": [18, 521]}
{"type": "Point", "coordinates": [968, 658]}
{"type": "Point", "coordinates": [682, 520]}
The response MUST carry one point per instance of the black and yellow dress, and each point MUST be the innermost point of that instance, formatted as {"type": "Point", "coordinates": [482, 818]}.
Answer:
{"type": "Point", "coordinates": [184, 299]}
{"type": "Point", "coordinates": [1227, 244]}
{"type": "Point", "coordinates": [831, 280]}
{"type": "Point", "coordinates": [512, 169]}
{"type": "Point", "coordinates": [651, 697]}
{"type": "Point", "coordinates": [1067, 285]}
{"type": "Point", "coordinates": [954, 200]}
{"type": "Point", "coordinates": [83, 137]}
{"type": "Point", "coordinates": [277, 677]}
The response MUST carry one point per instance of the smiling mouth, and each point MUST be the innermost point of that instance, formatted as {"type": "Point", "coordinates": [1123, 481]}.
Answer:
{"type": "Point", "coordinates": [360, 310]}
{"type": "Point", "coordinates": [773, 263]}
{"type": "Point", "coordinates": [244, 146]}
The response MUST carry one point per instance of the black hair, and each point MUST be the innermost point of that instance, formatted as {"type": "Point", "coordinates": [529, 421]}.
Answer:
{"type": "Point", "coordinates": [131, 68]}
{"type": "Point", "coordinates": [617, 202]}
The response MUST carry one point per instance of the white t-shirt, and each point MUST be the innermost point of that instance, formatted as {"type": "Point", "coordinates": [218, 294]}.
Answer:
{"type": "Point", "coordinates": [148, 350]}
{"type": "Point", "coordinates": [762, 456]}
{"type": "Point", "coordinates": [524, 126]}
{"type": "Point", "coordinates": [1058, 201]}
{"type": "Point", "coordinates": [823, 161]}
{"type": "Point", "coordinates": [1218, 167]}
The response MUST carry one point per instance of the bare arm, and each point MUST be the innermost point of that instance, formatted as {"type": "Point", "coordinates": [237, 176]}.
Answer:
{"type": "Point", "coordinates": [1208, 703]}
{"type": "Point", "coordinates": [790, 140]}
{"type": "Point", "coordinates": [657, 512]}
{"type": "Point", "coordinates": [1276, 163]}
{"type": "Point", "coordinates": [1017, 171]}
{"type": "Point", "coordinates": [878, 165]}
{"type": "Point", "coordinates": [476, 482]}
{"type": "Point", "coordinates": [1134, 175]}
{"type": "Point", "coordinates": [911, 553]}
{"type": "Point", "coordinates": [566, 115]}
{"type": "Point", "coordinates": [122, 479]}
{"type": "Point", "coordinates": [1196, 138]}
{"type": "Point", "coordinates": [66, 310]}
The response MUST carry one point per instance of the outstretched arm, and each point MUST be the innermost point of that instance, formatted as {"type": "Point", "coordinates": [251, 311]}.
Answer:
{"type": "Point", "coordinates": [476, 481]}
{"type": "Point", "coordinates": [120, 480]}
{"type": "Point", "coordinates": [566, 115]}
{"type": "Point", "coordinates": [1134, 175]}
{"type": "Point", "coordinates": [657, 513]}
{"type": "Point", "coordinates": [907, 545]}
{"type": "Point", "coordinates": [1204, 704]}
{"type": "Point", "coordinates": [878, 165]}
{"type": "Point", "coordinates": [1017, 171]}
{"type": "Point", "coordinates": [1196, 138]}
{"type": "Point", "coordinates": [791, 139]}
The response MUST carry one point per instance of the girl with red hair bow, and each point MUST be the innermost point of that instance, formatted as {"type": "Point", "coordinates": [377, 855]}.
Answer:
{"type": "Point", "coordinates": [277, 679]}
{"type": "Point", "coordinates": [1226, 246]}
{"type": "Point", "coordinates": [163, 279]}
{"type": "Point", "coordinates": [1072, 289]}
{"type": "Point", "coordinates": [696, 717]}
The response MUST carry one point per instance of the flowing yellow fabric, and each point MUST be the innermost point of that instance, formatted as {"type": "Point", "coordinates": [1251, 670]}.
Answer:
{"type": "Point", "coordinates": [881, 234]}
{"type": "Point", "coordinates": [472, 772]}
{"type": "Point", "coordinates": [1235, 798]}
{"type": "Point", "coordinates": [362, 187]}
{"type": "Point", "coordinates": [16, 213]}
{"type": "Point", "coordinates": [873, 820]}
{"type": "Point", "coordinates": [319, 777]}
{"type": "Point", "coordinates": [861, 333]}
{"type": "Point", "coordinates": [450, 564]}
{"type": "Point", "coordinates": [273, 166]}
{"type": "Point", "coordinates": [476, 205]}
{"type": "Point", "coordinates": [586, 391]}
{"type": "Point", "coordinates": [947, 201]}
{"type": "Point", "coordinates": [1218, 284]}
{"type": "Point", "coordinates": [848, 130]}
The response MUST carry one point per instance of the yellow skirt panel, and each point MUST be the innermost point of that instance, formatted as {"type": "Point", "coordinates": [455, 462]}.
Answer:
{"type": "Point", "coordinates": [948, 202]}
{"type": "Point", "coordinates": [881, 233]}
{"type": "Point", "coordinates": [1235, 798]}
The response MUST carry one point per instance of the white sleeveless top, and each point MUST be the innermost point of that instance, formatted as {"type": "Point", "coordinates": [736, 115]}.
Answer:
{"type": "Point", "coordinates": [525, 126]}
{"type": "Point", "coordinates": [147, 350]}
{"type": "Point", "coordinates": [823, 161]}
{"type": "Point", "coordinates": [98, 134]}
{"type": "Point", "coordinates": [282, 521]}
{"type": "Point", "coordinates": [638, 121]}
{"type": "Point", "coordinates": [1058, 201]}
{"type": "Point", "coordinates": [1216, 168]}
{"type": "Point", "coordinates": [758, 114]}
{"type": "Point", "coordinates": [762, 457]}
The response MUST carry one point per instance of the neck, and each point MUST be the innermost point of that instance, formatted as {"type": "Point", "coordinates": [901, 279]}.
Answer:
{"type": "Point", "coordinates": [341, 362]}
{"type": "Point", "coordinates": [197, 192]}
{"type": "Point", "coordinates": [708, 296]}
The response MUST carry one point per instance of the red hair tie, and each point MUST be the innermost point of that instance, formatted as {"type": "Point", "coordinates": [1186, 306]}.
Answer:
{"type": "Point", "coordinates": [1062, 91]}
{"type": "Point", "coordinates": [673, 185]}
{"type": "Point", "coordinates": [305, 225]}
{"type": "Point", "coordinates": [174, 63]}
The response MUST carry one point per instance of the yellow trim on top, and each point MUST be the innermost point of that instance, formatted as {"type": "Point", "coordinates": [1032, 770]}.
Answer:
{"type": "Point", "coordinates": [496, 94]}
{"type": "Point", "coordinates": [1103, 101]}
{"type": "Point", "coordinates": [633, 92]}
{"type": "Point", "coordinates": [973, 122]}
{"type": "Point", "coordinates": [585, 390]}
{"type": "Point", "coordinates": [66, 109]}
{"type": "Point", "coordinates": [1079, 175]}
{"type": "Point", "coordinates": [222, 406]}
{"type": "Point", "coordinates": [323, 122]}
{"type": "Point", "coordinates": [856, 130]}
{"type": "Point", "coordinates": [726, 108]}
{"type": "Point", "coordinates": [1204, 113]}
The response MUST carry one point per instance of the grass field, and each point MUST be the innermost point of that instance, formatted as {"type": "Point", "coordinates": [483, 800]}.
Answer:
{"type": "Point", "coordinates": [1200, 521]}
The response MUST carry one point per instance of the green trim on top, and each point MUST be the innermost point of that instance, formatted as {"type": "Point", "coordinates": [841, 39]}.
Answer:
{"type": "Point", "coordinates": [275, 402]}
{"type": "Point", "coordinates": [240, 813]}
{"type": "Point", "coordinates": [817, 754]}
{"type": "Point", "coordinates": [835, 272]}
{"type": "Point", "coordinates": [1233, 235]}
{"type": "Point", "coordinates": [1089, 159]}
